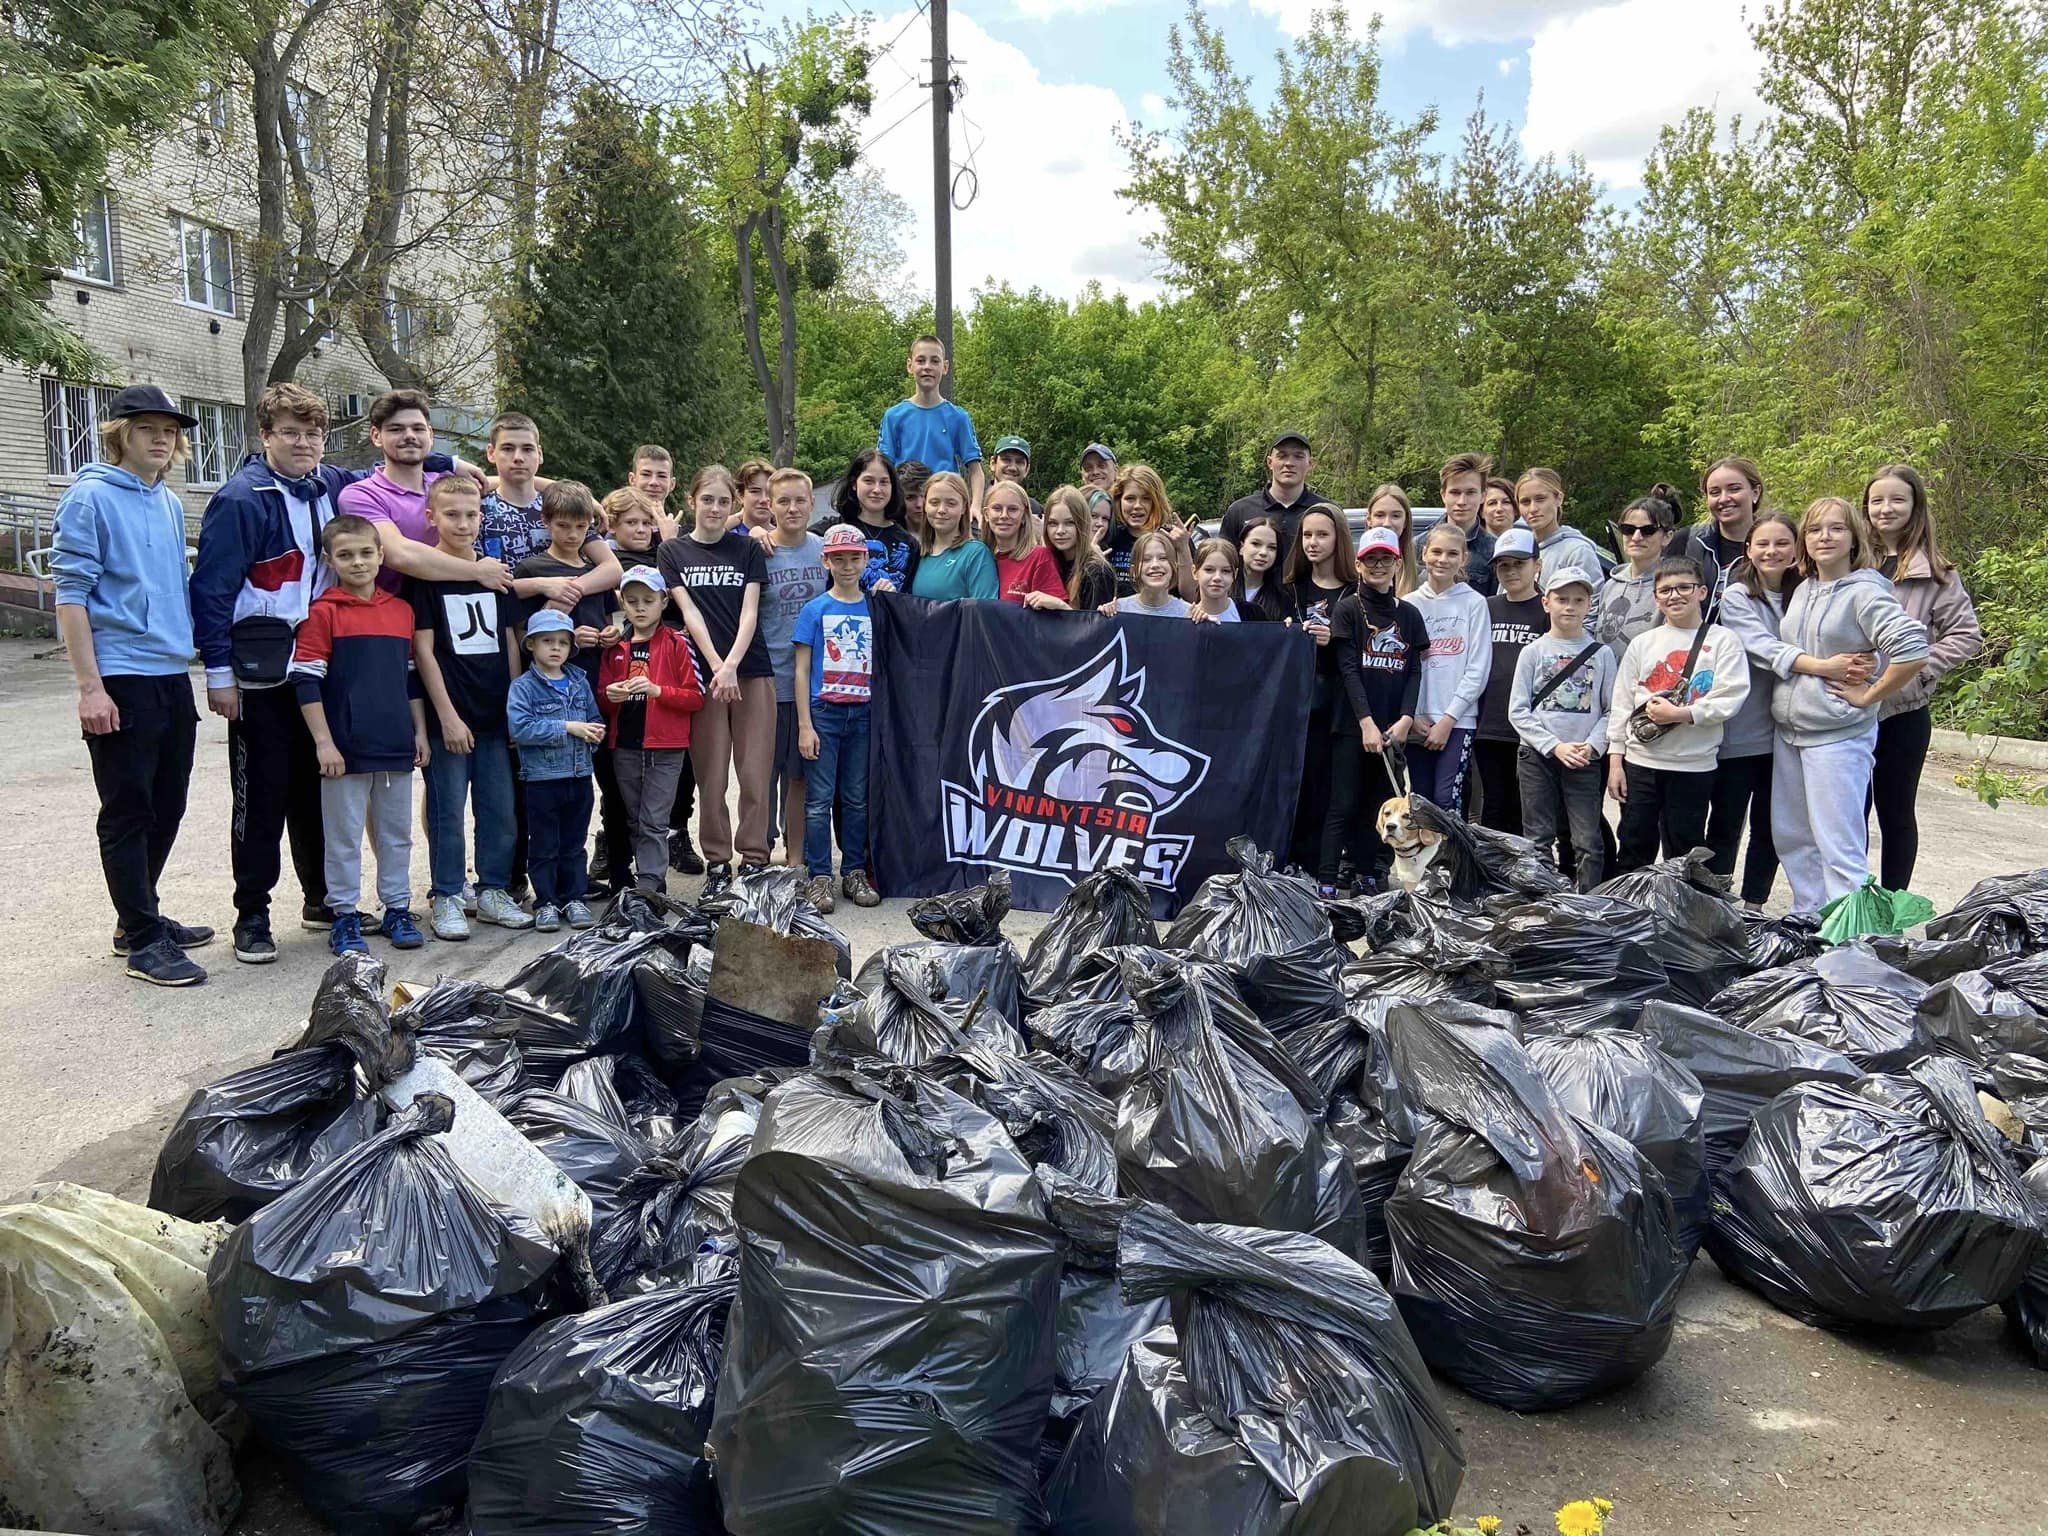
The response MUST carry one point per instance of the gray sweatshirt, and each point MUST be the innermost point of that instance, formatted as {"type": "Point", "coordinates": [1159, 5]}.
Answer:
{"type": "Point", "coordinates": [1860, 612]}
{"type": "Point", "coordinates": [1625, 607]}
{"type": "Point", "coordinates": [1576, 709]}
{"type": "Point", "coordinates": [1572, 550]}
{"type": "Point", "coordinates": [1752, 732]}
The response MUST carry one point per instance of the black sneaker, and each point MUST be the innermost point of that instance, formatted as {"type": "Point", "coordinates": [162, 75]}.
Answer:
{"type": "Point", "coordinates": [751, 868]}
{"type": "Point", "coordinates": [163, 964]}
{"type": "Point", "coordinates": [314, 917]}
{"type": "Point", "coordinates": [253, 944]}
{"type": "Point", "coordinates": [682, 858]}
{"type": "Point", "coordinates": [600, 867]}
{"type": "Point", "coordinates": [193, 936]}
{"type": "Point", "coordinates": [716, 879]}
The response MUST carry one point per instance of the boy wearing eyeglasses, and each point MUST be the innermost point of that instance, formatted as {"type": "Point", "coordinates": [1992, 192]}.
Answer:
{"type": "Point", "coordinates": [1675, 687]}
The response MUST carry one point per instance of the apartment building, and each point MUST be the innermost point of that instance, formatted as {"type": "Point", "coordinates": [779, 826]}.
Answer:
{"type": "Point", "coordinates": [161, 293]}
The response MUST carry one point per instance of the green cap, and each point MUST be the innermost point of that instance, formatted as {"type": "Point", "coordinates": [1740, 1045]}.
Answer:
{"type": "Point", "coordinates": [1013, 444]}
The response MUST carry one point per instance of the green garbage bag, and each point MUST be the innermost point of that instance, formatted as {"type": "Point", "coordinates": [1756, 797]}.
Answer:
{"type": "Point", "coordinates": [1870, 908]}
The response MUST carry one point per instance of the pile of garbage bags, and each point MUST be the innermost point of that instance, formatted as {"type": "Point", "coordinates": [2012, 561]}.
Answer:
{"type": "Point", "coordinates": [1144, 1228]}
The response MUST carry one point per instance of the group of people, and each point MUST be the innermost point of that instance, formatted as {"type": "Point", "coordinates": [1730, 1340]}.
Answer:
{"type": "Point", "coordinates": [543, 657]}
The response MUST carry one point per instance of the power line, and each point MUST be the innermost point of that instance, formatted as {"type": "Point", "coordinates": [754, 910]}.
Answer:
{"type": "Point", "coordinates": [906, 117]}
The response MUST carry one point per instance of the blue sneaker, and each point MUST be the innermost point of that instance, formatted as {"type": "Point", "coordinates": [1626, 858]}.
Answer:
{"type": "Point", "coordinates": [346, 936]}
{"type": "Point", "coordinates": [398, 926]}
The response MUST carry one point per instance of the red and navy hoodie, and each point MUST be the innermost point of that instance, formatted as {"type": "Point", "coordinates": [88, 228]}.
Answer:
{"type": "Point", "coordinates": [354, 656]}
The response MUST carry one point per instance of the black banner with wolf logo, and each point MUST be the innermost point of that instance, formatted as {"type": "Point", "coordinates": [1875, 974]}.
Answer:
{"type": "Point", "coordinates": [1054, 744]}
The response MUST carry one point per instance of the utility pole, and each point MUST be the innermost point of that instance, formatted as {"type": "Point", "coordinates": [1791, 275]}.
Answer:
{"type": "Point", "coordinates": [942, 185]}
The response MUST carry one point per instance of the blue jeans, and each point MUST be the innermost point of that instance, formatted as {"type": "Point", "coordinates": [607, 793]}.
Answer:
{"type": "Point", "coordinates": [840, 773]}
{"type": "Point", "coordinates": [455, 780]}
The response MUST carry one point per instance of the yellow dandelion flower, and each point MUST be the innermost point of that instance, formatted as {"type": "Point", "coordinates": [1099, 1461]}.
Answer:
{"type": "Point", "coordinates": [1605, 1506]}
{"type": "Point", "coordinates": [1581, 1517]}
{"type": "Point", "coordinates": [1487, 1525]}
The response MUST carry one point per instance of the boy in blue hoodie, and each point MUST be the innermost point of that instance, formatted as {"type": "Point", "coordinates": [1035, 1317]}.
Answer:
{"type": "Point", "coordinates": [118, 565]}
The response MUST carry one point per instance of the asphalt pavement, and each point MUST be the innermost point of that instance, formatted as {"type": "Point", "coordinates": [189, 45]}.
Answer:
{"type": "Point", "coordinates": [1753, 1422]}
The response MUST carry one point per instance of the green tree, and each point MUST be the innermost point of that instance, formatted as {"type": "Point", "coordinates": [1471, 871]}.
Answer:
{"type": "Point", "coordinates": [619, 335]}
{"type": "Point", "coordinates": [80, 85]}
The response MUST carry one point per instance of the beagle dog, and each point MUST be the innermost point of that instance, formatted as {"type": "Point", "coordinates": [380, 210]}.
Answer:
{"type": "Point", "coordinates": [1414, 846]}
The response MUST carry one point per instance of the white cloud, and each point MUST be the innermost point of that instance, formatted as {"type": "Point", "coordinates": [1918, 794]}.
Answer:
{"type": "Point", "coordinates": [1449, 22]}
{"type": "Point", "coordinates": [1152, 106]}
{"type": "Point", "coordinates": [1507, 66]}
{"type": "Point", "coordinates": [1046, 213]}
{"type": "Point", "coordinates": [1603, 82]}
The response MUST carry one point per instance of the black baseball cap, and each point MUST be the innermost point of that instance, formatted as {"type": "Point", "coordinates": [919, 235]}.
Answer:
{"type": "Point", "coordinates": [1290, 437]}
{"type": "Point", "coordinates": [146, 400]}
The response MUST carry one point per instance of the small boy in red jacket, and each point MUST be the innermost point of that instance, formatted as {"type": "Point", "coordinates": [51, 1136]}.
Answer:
{"type": "Point", "coordinates": [647, 688]}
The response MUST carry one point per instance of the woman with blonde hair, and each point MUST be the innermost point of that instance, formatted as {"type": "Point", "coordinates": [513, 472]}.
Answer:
{"type": "Point", "coordinates": [1086, 580]}
{"type": "Point", "coordinates": [1388, 507]}
{"type": "Point", "coordinates": [1929, 588]}
{"type": "Point", "coordinates": [1024, 567]}
{"type": "Point", "coordinates": [1539, 497]}
{"type": "Point", "coordinates": [954, 564]}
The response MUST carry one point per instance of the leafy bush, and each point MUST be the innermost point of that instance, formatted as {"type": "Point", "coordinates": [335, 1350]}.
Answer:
{"type": "Point", "coordinates": [2005, 692]}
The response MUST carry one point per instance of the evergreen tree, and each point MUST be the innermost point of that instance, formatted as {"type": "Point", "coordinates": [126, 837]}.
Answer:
{"type": "Point", "coordinates": [619, 334]}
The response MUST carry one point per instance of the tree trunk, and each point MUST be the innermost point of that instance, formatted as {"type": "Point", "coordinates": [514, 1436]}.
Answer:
{"type": "Point", "coordinates": [266, 92]}
{"type": "Point", "coordinates": [750, 327]}
{"type": "Point", "coordinates": [782, 436]}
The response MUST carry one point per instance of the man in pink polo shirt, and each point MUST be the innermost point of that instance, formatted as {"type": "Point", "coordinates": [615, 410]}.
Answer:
{"type": "Point", "coordinates": [394, 497]}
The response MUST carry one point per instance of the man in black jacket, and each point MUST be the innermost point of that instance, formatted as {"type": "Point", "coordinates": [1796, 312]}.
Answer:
{"type": "Point", "coordinates": [1286, 496]}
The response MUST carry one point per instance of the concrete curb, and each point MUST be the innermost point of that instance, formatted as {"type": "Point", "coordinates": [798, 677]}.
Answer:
{"type": "Point", "coordinates": [1998, 751]}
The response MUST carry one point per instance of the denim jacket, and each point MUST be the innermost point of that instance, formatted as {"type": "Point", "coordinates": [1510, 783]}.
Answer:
{"type": "Point", "coordinates": [538, 713]}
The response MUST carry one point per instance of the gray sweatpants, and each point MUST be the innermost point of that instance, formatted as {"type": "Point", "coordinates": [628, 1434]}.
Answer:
{"type": "Point", "coordinates": [1817, 817]}
{"type": "Point", "coordinates": [382, 802]}
{"type": "Point", "coordinates": [647, 783]}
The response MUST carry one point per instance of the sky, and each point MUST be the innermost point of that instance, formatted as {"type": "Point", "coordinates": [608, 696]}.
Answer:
{"type": "Point", "coordinates": [1047, 83]}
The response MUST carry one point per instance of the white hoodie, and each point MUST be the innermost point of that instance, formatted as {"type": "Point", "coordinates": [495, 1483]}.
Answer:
{"type": "Point", "coordinates": [1460, 656]}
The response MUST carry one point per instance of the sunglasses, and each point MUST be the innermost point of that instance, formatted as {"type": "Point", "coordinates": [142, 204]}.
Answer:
{"type": "Point", "coordinates": [1635, 530]}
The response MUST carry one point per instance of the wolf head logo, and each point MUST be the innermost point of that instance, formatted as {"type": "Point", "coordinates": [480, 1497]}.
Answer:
{"type": "Point", "coordinates": [1084, 737]}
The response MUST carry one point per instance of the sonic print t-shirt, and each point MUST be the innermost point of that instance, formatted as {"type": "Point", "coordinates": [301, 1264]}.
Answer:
{"type": "Point", "coordinates": [841, 636]}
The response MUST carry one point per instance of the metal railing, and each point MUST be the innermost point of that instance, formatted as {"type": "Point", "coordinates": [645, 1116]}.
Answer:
{"type": "Point", "coordinates": [28, 527]}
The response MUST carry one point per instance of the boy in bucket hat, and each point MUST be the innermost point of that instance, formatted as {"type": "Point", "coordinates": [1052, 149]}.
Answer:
{"type": "Point", "coordinates": [834, 667]}
{"type": "Point", "coordinates": [555, 723]}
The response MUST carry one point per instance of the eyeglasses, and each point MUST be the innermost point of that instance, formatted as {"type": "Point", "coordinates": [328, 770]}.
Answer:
{"type": "Point", "coordinates": [1675, 592]}
{"type": "Point", "coordinates": [299, 438]}
{"type": "Point", "coordinates": [1636, 530]}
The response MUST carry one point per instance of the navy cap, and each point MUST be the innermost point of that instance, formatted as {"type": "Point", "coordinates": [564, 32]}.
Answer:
{"type": "Point", "coordinates": [1291, 437]}
{"type": "Point", "coordinates": [1102, 451]}
{"type": "Point", "coordinates": [146, 400]}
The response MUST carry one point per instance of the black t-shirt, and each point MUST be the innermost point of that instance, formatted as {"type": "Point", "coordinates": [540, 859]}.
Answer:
{"type": "Point", "coordinates": [1260, 503]}
{"type": "Point", "coordinates": [1514, 626]}
{"type": "Point", "coordinates": [892, 552]}
{"type": "Point", "coordinates": [1116, 549]}
{"type": "Point", "coordinates": [632, 716]}
{"type": "Point", "coordinates": [593, 609]}
{"type": "Point", "coordinates": [717, 577]}
{"type": "Point", "coordinates": [468, 621]}
{"type": "Point", "coordinates": [1308, 603]}
{"type": "Point", "coordinates": [1098, 582]}
{"type": "Point", "coordinates": [1380, 659]}
{"type": "Point", "coordinates": [1273, 601]}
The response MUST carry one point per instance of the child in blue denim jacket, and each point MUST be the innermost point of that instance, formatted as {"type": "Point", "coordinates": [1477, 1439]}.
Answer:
{"type": "Point", "coordinates": [554, 721]}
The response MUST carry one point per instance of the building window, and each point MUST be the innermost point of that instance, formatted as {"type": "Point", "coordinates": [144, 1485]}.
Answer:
{"type": "Point", "coordinates": [216, 441]}
{"type": "Point", "coordinates": [212, 110]}
{"type": "Point", "coordinates": [308, 110]}
{"type": "Point", "coordinates": [414, 322]}
{"type": "Point", "coordinates": [95, 263]}
{"type": "Point", "coordinates": [72, 414]}
{"type": "Point", "coordinates": [208, 264]}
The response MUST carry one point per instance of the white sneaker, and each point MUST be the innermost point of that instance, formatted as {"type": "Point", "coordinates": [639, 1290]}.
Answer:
{"type": "Point", "coordinates": [448, 921]}
{"type": "Point", "coordinates": [547, 919]}
{"type": "Point", "coordinates": [496, 906]}
{"type": "Point", "coordinates": [469, 897]}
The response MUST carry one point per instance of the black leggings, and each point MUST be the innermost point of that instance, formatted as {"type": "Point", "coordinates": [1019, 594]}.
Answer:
{"type": "Point", "coordinates": [1312, 805]}
{"type": "Point", "coordinates": [1358, 788]}
{"type": "Point", "coordinates": [1902, 743]}
{"type": "Point", "coordinates": [1500, 792]}
{"type": "Point", "coordinates": [1742, 791]}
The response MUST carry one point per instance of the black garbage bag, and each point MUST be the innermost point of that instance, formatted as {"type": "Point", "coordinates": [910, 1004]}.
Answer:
{"type": "Point", "coordinates": [1739, 1070]}
{"type": "Point", "coordinates": [1273, 934]}
{"type": "Point", "coordinates": [906, 1017]}
{"type": "Point", "coordinates": [669, 991]}
{"type": "Point", "coordinates": [1222, 1124]}
{"type": "Point", "coordinates": [1108, 908]}
{"type": "Point", "coordinates": [1579, 962]}
{"type": "Point", "coordinates": [1454, 933]}
{"type": "Point", "coordinates": [1349, 1060]}
{"type": "Point", "coordinates": [475, 1029]}
{"type": "Point", "coordinates": [2000, 1009]}
{"type": "Point", "coordinates": [626, 1090]}
{"type": "Point", "coordinates": [1056, 1119]}
{"type": "Point", "coordinates": [774, 898]}
{"type": "Point", "coordinates": [1478, 861]}
{"type": "Point", "coordinates": [2026, 1314]}
{"type": "Point", "coordinates": [1536, 1255]}
{"type": "Point", "coordinates": [241, 1142]}
{"type": "Point", "coordinates": [1847, 1000]}
{"type": "Point", "coordinates": [1889, 1204]}
{"type": "Point", "coordinates": [889, 1362]}
{"type": "Point", "coordinates": [1999, 916]}
{"type": "Point", "coordinates": [1622, 1082]}
{"type": "Point", "coordinates": [1287, 1398]}
{"type": "Point", "coordinates": [737, 1042]}
{"type": "Point", "coordinates": [1932, 960]}
{"type": "Point", "coordinates": [597, 1422]}
{"type": "Point", "coordinates": [1097, 1038]}
{"type": "Point", "coordinates": [597, 1149]}
{"type": "Point", "coordinates": [1097, 1325]}
{"type": "Point", "coordinates": [678, 1203]}
{"type": "Point", "coordinates": [582, 994]}
{"type": "Point", "coordinates": [1699, 936]}
{"type": "Point", "coordinates": [1406, 968]}
{"type": "Point", "coordinates": [2022, 1081]}
{"type": "Point", "coordinates": [362, 1315]}
{"type": "Point", "coordinates": [964, 938]}
{"type": "Point", "coordinates": [1776, 941]}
